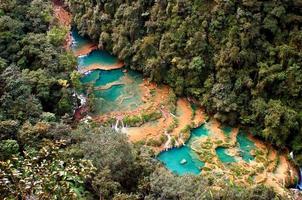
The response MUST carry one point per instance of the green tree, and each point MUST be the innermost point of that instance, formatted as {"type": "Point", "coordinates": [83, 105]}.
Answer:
{"type": "Point", "coordinates": [44, 175]}
{"type": "Point", "coordinates": [8, 148]}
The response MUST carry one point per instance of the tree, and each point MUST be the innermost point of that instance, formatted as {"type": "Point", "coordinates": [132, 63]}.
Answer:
{"type": "Point", "coordinates": [57, 35]}
{"type": "Point", "coordinates": [44, 175]}
{"type": "Point", "coordinates": [120, 167]}
{"type": "Point", "coordinates": [8, 148]}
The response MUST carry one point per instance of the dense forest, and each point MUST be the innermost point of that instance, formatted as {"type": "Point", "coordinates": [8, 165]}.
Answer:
{"type": "Point", "coordinates": [240, 59]}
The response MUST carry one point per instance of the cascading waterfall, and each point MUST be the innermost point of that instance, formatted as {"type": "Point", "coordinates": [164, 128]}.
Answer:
{"type": "Point", "coordinates": [83, 102]}
{"type": "Point", "coordinates": [82, 99]}
{"type": "Point", "coordinates": [299, 184]}
{"type": "Point", "coordinates": [122, 128]}
{"type": "Point", "coordinates": [168, 143]}
{"type": "Point", "coordinates": [116, 125]}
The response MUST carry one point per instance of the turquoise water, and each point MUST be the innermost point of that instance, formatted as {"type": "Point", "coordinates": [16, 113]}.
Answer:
{"type": "Point", "coordinates": [245, 145]}
{"type": "Point", "coordinates": [98, 57]}
{"type": "Point", "coordinates": [106, 77]}
{"type": "Point", "coordinates": [227, 130]}
{"type": "Point", "coordinates": [172, 158]}
{"type": "Point", "coordinates": [117, 98]}
{"type": "Point", "coordinates": [223, 156]}
{"type": "Point", "coordinates": [102, 77]}
{"type": "Point", "coordinates": [78, 41]}
{"type": "Point", "coordinates": [196, 133]}
{"type": "Point", "coordinates": [91, 77]}
{"type": "Point", "coordinates": [110, 94]}
{"type": "Point", "coordinates": [109, 77]}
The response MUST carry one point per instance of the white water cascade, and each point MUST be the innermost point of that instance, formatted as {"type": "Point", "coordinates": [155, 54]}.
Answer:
{"type": "Point", "coordinates": [299, 184]}
{"type": "Point", "coordinates": [119, 129]}
{"type": "Point", "coordinates": [168, 143]}
{"type": "Point", "coordinates": [82, 99]}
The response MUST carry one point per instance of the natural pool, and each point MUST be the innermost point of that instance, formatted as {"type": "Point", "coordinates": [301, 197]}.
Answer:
{"type": "Point", "coordinates": [97, 57]}
{"type": "Point", "coordinates": [227, 130]}
{"type": "Point", "coordinates": [224, 156]}
{"type": "Point", "coordinates": [172, 158]}
{"type": "Point", "coordinates": [113, 90]}
{"type": "Point", "coordinates": [245, 145]}
{"type": "Point", "coordinates": [196, 133]}
{"type": "Point", "coordinates": [78, 41]}
{"type": "Point", "coordinates": [101, 77]}
{"type": "Point", "coordinates": [122, 94]}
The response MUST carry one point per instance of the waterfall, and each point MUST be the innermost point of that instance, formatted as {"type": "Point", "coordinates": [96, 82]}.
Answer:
{"type": "Point", "coordinates": [123, 127]}
{"type": "Point", "coordinates": [172, 115]}
{"type": "Point", "coordinates": [83, 99]}
{"type": "Point", "coordinates": [116, 125]}
{"type": "Point", "coordinates": [299, 184]}
{"type": "Point", "coordinates": [168, 143]}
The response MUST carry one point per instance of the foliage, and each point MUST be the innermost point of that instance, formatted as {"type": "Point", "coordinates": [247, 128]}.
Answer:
{"type": "Point", "coordinates": [35, 92]}
{"type": "Point", "coordinates": [142, 118]}
{"type": "Point", "coordinates": [8, 148]}
{"type": "Point", "coordinates": [44, 175]}
{"type": "Point", "coordinates": [56, 35]}
{"type": "Point", "coordinates": [120, 167]}
{"type": "Point", "coordinates": [165, 185]}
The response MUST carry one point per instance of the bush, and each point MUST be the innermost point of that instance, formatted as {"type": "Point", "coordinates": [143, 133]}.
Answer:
{"type": "Point", "coordinates": [154, 143]}
{"type": "Point", "coordinates": [8, 148]}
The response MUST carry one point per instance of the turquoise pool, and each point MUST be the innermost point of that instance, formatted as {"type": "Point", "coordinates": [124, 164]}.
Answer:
{"type": "Point", "coordinates": [199, 132]}
{"type": "Point", "coordinates": [78, 41]}
{"type": "Point", "coordinates": [97, 57]}
{"type": "Point", "coordinates": [110, 94]}
{"type": "Point", "coordinates": [196, 133]}
{"type": "Point", "coordinates": [245, 145]}
{"type": "Point", "coordinates": [227, 130]}
{"type": "Point", "coordinates": [172, 158]}
{"type": "Point", "coordinates": [123, 97]}
{"type": "Point", "coordinates": [90, 77]}
{"type": "Point", "coordinates": [126, 96]}
{"type": "Point", "coordinates": [223, 156]}
{"type": "Point", "coordinates": [101, 77]}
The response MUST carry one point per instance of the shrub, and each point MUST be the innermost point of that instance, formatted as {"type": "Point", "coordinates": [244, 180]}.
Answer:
{"type": "Point", "coordinates": [8, 148]}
